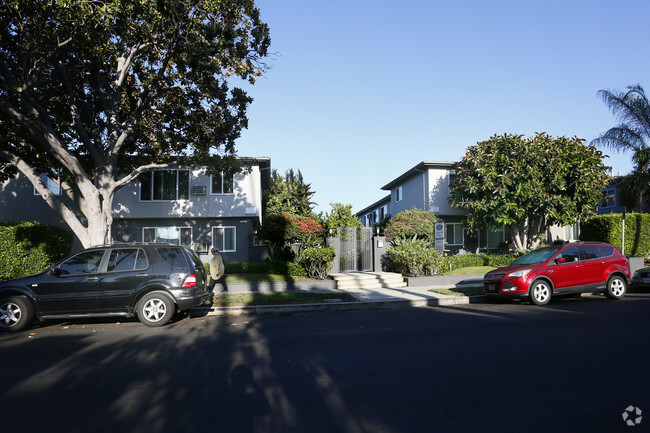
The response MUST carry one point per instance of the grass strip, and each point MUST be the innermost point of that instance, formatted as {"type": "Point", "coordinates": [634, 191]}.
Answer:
{"type": "Point", "coordinates": [462, 291]}
{"type": "Point", "coordinates": [247, 299]}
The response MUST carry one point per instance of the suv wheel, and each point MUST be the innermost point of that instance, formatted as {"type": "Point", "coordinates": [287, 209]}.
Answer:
{"type": "Point", "coordinates": [616, 287]}
{"type": "Point", "coordinates": [15, 313]}
{"type": "Point", "coordinates": [155, 309]}
{"type": "Point", "coordinates": [540, 292]}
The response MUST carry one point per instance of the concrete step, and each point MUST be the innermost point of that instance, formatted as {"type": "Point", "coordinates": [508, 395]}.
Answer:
{"type": "Point", "coordinates": [368, 280]}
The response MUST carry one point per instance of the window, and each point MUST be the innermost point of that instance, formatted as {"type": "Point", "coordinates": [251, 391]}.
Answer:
{"type": "Point", "coordinates": [398, 194]}
{"type": "Point", "coordinates": [609, 198]}
{"type": "Point", "coordinates": [450, 179]}
{"type": "Point", "coordinates": [223, 183]}
{"type": "Point", "coordinates": [224, 238]}
{"type": "Point", "coordinates": [492, 239]}
{"type": "Point", "coordinates": [165, 185]}
{"type": "Point", "coordinates": [171, 235]}
{"type": "Point", "coordinates": [83, 263]}
{"type": "Point", "coordinates": [127, 260]}
{"type": "Point", "coordinates": [570, 255]}
{"type": "Point", "coordinates": [50, 184]}
{"type": "Point", "coordinates": [454, 233]}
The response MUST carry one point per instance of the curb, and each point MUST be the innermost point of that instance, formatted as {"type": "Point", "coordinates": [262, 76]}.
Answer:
{"type": "Point", "coordinates": [339, 306]}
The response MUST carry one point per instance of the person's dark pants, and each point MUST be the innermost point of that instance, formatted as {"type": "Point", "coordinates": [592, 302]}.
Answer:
{"type": "Point", "coordinates": [221, 280]}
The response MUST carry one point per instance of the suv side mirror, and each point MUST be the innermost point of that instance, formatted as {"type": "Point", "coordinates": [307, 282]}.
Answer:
{"type": "Point", "coordinates": [560, 260]}
{"type": "Point", "coordinates": [54, 272]}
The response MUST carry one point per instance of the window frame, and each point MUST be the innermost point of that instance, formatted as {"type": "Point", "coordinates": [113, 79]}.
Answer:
{"type": "Point", "coordinates": [182, 187]}
{"type": "Point", "coordinates": [222, 183]}
{"type": "Point", "coordinates": [180, 234]}
{"type": "Point", "coordinates": [456, 226]}
{"type": "Point", "coordinates": [222, 247]}
{"type": "Point", "coordinates": [399, 194]}
{"type": "Point", "coordinates": [52, 185]}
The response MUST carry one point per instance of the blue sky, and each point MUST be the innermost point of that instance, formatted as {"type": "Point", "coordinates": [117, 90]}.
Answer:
{"type": "Point", "coordinates": [361, 91]}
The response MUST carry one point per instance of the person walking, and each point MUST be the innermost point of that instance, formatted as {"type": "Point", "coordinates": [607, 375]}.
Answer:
{"type": "Point", "coordinates": [217, 270]}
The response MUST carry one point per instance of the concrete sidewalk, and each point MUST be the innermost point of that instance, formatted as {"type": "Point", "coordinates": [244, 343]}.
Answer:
{"type": "Point", "coordinates": [414, 295]}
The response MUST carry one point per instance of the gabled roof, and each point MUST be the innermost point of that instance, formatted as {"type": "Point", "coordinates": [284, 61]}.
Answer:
{"type": "Point", "coordinates": [418, 169]}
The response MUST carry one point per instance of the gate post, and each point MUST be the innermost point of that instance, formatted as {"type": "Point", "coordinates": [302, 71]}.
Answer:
{"type": "Point", "coordinates": [379, 248]}
{"type": "Point", "coordinates": [335, 243]}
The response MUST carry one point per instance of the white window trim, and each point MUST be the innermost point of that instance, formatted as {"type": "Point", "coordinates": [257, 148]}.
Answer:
{"type": "Point", "coordinates": [172, 228]}
{"type": "Point", "coordinates": [607, 191]}
{"type": "Point", "coordinates": [399, 194]}
{"type": "Point", "coordinates": [177, 179]}
{"type": "Point", "coordinates": [456, 227]}
{"type": "Point", "coordinates": [222, 193]}
{"type": "Point", "coordinates": [221, 247]}
{"type": "Point", "coordinates": [52, 185]}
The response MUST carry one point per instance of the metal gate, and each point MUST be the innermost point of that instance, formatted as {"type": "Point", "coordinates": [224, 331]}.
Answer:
{"type": "Point", "coordinates": [356, 249]}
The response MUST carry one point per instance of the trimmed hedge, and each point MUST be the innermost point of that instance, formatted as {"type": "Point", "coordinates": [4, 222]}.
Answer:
{"type": "Point", "coordinates": [471, 260]}
{"type": "Point", "coordinates": [29, 247]}
{"type": "Point", "coordinates": [609, 228]}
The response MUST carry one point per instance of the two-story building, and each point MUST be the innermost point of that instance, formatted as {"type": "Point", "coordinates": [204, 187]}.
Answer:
{"type": "Point", "coordinates": [181, 205]}
{"type": "Point", "coordinates": [426, 186]}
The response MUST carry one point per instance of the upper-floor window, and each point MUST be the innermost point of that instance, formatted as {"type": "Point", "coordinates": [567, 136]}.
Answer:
{"type": "Point", "coordinates": [450, 178]}
{"type": "Point", "coordinates": [165, 185]}
{"type": "Point", "coordinates": [609, 198]}
{"type": "Point", "coordinates": [398, 194]}
{"type": "Point", "coordinates": [50, 184]}
{"type": "Point", "coordinates": [223, 183]}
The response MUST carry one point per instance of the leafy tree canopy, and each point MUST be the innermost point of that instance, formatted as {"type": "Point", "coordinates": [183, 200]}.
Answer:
{"type": "Point", "coordinates": [632, 135]}
{"type": "Point", "coordinates": [528, 184]}
{"type": "Point", "coordinates": [412, 224]}
{"type": "Point", "coordinates": [288, 193]}
{"type": "Point", "coordinates": [340, 216]}
{"type": "Point", "coordinates": [96, 92]}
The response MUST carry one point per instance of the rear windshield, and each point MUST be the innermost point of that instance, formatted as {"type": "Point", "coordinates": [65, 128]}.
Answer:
{"type": "Point", "coordinates": [537, 256]}
{"type": "Point", "coordinates": [173, 256]}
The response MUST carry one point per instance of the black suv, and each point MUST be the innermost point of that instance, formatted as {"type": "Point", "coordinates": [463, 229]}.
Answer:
{"type": "Point", "coordinates": [152, 281]}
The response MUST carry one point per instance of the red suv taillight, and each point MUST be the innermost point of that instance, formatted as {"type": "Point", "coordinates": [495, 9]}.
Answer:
{"type": "Point", "coordinates": [190, 281]}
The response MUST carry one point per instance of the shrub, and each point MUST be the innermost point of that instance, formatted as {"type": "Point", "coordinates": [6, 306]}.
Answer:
{"type": "Point", "coordinates": [413, 259]}
{"type": "Point", "coordinates": [414, 223]}
{"type": "Point", "coordinates": [317, 261]}
{"type": "Point", "coordinates": [609, 228]}
{"type": "Point", "coordinates": [30, 247]}
{"type": "Point", "coordinates": [288, 228]}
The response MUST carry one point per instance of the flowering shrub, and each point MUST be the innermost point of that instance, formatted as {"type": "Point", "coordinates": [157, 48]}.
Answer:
{"type": "Point", "coordinates": [414, 223]}
{"type": "Point", "coordinates": [289, 228]}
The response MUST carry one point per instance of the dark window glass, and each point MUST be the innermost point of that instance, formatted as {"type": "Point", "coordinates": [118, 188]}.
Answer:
{"type": "Point", "coordinates": [145, 186]}
{"type": "Point", "coordinates": [607, 251]}
{"type": "Point", "coordinates": [183, 184]}
{"type": "Point", "coordinates": [122, 260]}
{"type": "Point", "coordinates": [83, 263]}
{"type": "Point", "coordinates": [173, 256]}
{"type": "Point", "coordinates": [590, 252]}
{"type": "Point", "coordinates": [570, 254]}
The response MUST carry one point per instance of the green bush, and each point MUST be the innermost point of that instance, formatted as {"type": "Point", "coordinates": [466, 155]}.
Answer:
{"type": "Point", "coordinates": [609, 228]}
{"type": "Point", "coordinates": [472, 260]}
{"type": "Point", "coordinates": [317, 261]}
{"type": "Point", "coordinates": [30, 247]}
{"type": "Point", "coordinates": [413, 259]}
{"type": "Point", "coordinates": [414, 223]}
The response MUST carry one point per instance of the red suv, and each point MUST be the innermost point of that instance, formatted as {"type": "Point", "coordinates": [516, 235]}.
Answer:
{"type": "Point", "coordinates": [562, 270]}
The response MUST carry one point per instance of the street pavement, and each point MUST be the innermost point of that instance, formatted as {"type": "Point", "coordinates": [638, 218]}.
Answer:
{"type": "Point", "coordinates": [385, 297]}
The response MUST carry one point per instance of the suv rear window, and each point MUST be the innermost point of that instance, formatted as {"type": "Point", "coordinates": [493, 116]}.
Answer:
{"type": "Point", "coordinates": [173, 256]}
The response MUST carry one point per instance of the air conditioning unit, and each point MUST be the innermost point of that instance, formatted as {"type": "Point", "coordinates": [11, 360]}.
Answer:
{"type": "Point", "coordinates": [199, 190]}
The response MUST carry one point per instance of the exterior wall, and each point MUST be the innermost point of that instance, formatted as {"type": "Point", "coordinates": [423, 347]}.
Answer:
{"type": "Point", "coordinates": [246, 199]}
{"type": "Point", "coordinates": [438, 188]}
{"type": "Point", "coordinates": [613, 205]}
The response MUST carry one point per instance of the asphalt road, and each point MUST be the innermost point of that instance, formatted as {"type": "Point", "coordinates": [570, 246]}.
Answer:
{"type": "Point", "coordinates": [575, 365]}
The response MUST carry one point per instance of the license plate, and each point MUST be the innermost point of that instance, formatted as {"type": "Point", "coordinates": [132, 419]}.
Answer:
{"type": "Point", "coordinates": [491, 287]}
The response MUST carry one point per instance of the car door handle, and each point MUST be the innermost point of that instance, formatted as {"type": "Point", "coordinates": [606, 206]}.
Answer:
{"type": "Point", "coordinates": [92, 279]}
{"type": "Point", "coordinates": [143, 275]}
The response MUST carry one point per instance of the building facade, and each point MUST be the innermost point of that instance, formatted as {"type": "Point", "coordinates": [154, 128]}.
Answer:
{"type": "Point", "coordinates": [180, 205]}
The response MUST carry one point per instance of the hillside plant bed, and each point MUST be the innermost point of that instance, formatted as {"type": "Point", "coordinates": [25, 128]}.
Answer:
{"type": "Point", "coordinates": [250, 299]}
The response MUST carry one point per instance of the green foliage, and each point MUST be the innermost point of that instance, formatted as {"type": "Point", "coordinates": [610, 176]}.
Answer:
{"type": "Point", "coordinates": [528, 184]}
{"type": "Point", "coordinates": [86, 85]}
{"type": "Point", "coordinates": [476, 260]}
{"type": "Point", "coordinates": [413, 259]}
{"type": "Point", "coordinates": [28, 248]}
{"type": "Point", "coordinates": [609, 228]}
{"type": "Point", "coordinates": [317, 261]}
{"type": "Point", "coordinates": [288, 194]}
{"type": "Point", "coordinates": [414, 223]}
{"type": "Point", "coordinates": [286, 229]}
{"type": "Point", "coordinates": [632, 134]}
{"type": "Point", "coordinates": [340, 216]}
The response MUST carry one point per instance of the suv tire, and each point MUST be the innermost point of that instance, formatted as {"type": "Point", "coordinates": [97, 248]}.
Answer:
{"type": "Point", "coordinates": [540, 292]}
{"type": "Point", "coordinates": [15, 313]}
{"type": "Point", "coordinates": [156, 309]}
{"type": "Point", "coordinates": [616, 287]}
